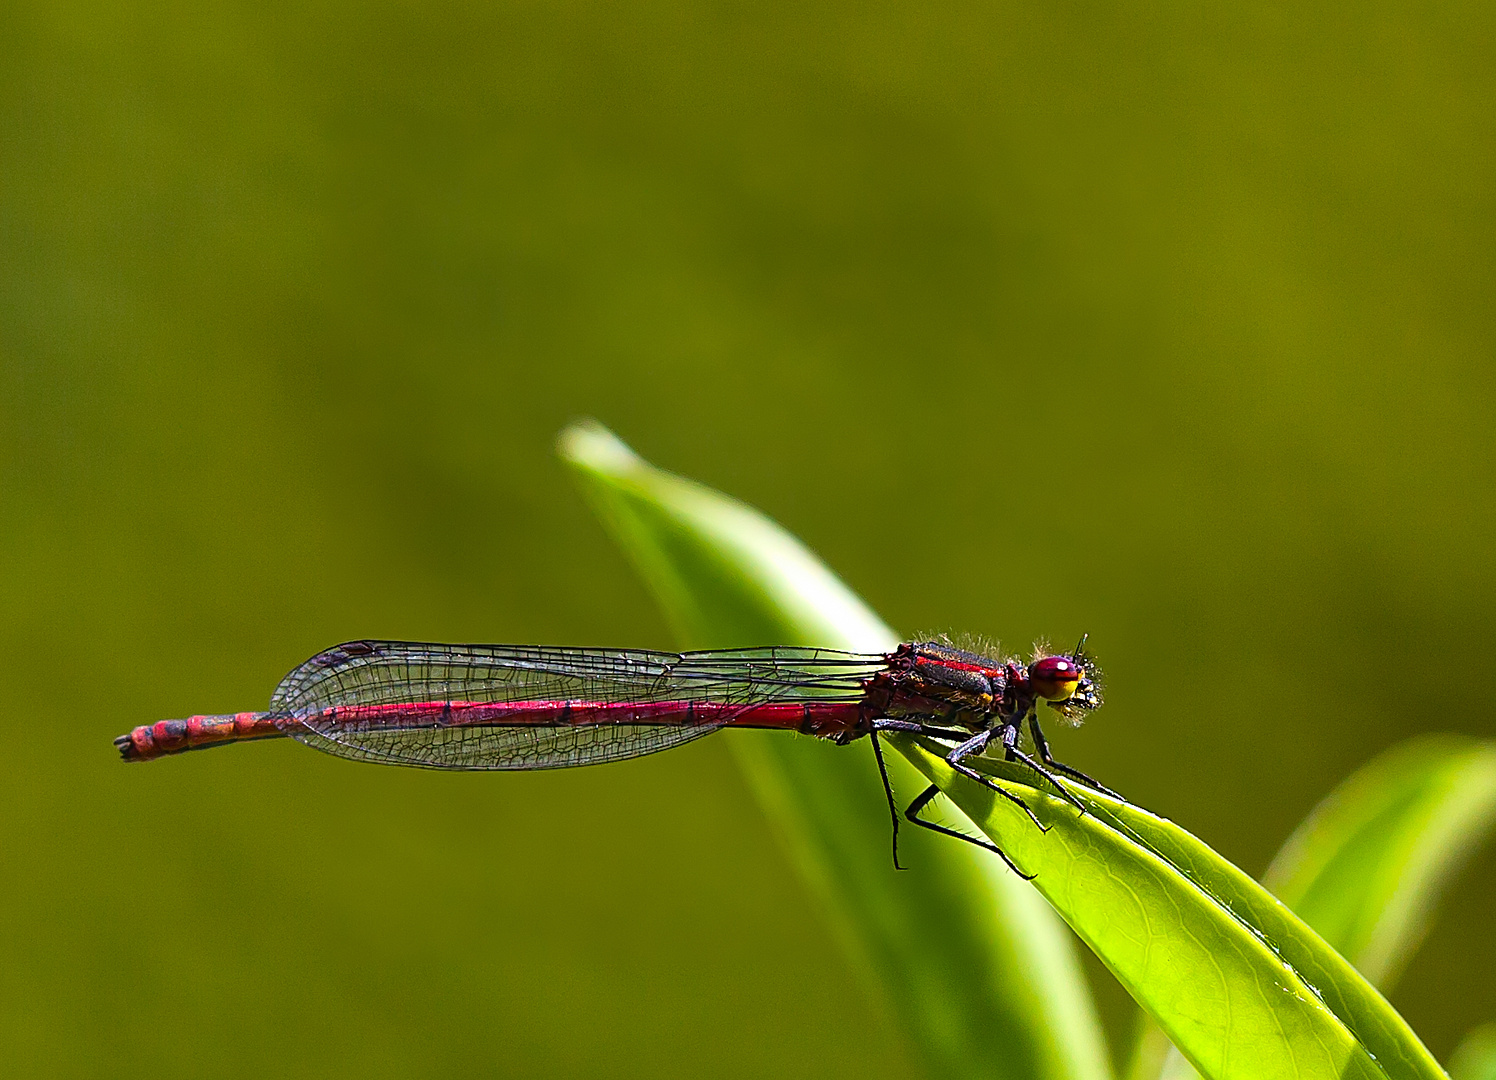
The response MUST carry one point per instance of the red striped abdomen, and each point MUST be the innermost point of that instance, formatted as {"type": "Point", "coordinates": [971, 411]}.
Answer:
{"type": "Point", "coordinates": [194, 733]}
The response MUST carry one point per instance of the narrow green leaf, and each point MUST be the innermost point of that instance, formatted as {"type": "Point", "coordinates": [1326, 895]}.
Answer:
{"type": "Point", "coordinates": [1242, 986]}
{"type": "Point", "coordinates": [1475, 1059]}
{"type": "Point", "coordinates": [1367, 867]}
{"type": "Point", "coordinates": [967, 959]}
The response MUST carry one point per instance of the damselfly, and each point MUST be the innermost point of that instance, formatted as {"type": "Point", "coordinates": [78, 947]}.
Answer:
{"type": "Point", "coordinates": [534, 707]}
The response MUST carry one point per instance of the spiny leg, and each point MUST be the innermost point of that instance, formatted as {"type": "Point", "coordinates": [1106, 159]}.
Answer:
{"type": "Point", "coordinates": [1042, 745]}
{"type": "Point", "coordinates": [975, 745]}
{"type": "Point", "coordinates": [910, 727]}
{"type": "Point", "coordinates": [912, 814]}
{"type": "Point", "coordinates": [893, 809]}
{"type": "Point", "coordinates": [1012, 753]}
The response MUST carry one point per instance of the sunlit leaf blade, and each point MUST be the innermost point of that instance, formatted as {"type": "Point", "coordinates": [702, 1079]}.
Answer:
{"type": "Point", "coordinates": [1367, 867]}
{"type": "Point", "coordinates": [1237, 982]}
{"type": "Point", "coordinates": [1475, 1059]}
{"type": "Point", "coordinates": [965, 957]}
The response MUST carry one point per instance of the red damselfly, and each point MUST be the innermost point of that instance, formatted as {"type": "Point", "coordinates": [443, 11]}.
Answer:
{"type": "Point", "coordinates": [533, 707]}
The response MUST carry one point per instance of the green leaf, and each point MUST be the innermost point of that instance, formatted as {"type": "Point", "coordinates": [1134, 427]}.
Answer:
{"type": "Point", "coordinates": [1367, 867]}
{"type": "Point", "coordinates": [1475, 1059]}
{"type": "Point", "coordinates": [1239, 984]}
{"type": "Point", "coordinates": [966, 958]}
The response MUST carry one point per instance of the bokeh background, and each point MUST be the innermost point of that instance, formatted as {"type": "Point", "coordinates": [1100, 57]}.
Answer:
{"type": "Point", "coordinates": [1167, 324]}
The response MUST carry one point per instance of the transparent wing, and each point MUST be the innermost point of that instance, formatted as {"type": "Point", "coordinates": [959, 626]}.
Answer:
{"type": "Point", "coordinates": [543, 685]}
{"type": "Point", "coordinates": [495, 747]}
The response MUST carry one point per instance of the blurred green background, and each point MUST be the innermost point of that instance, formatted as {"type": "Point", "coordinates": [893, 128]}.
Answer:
{"type": "Point", "coordinates": [1174, 326]}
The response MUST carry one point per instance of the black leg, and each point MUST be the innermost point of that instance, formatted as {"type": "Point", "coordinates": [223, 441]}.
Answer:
{"type": "Point", "coordinates": [975, 745]}
{"type": "Point", "coordinates": [893, 809]}
{"type": "Point", "coordinates": [1015, 754]}
{"type": "Point", "coordinates": [924, 800]}
{"type": "Point", "coordinates": [910, 727]}
{"type": "Point", "coordinates": [1042, 745]}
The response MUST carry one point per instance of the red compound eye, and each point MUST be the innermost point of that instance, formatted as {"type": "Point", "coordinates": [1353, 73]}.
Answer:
{"type": "Point", "coordinates": [1055, 677]}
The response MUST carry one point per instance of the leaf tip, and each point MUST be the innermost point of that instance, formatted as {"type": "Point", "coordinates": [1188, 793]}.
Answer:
{"type": "Point", "coordinates": [588, 444]}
